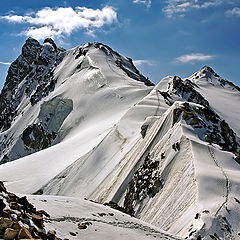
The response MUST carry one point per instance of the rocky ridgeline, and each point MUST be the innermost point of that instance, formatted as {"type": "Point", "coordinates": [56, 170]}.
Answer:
{"type": "Point", "coordinates": [208, 126]}
{"type": "Point", "coordinates": [147, 182]}
{"type": "Point", "coordinates": [185, 90]}
{"type": "Point", "coordinates": [126, 64]}
{"type": "Point", "coordinates": [19, 219]}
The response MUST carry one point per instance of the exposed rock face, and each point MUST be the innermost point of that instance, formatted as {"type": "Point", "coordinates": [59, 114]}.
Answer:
{"type": "Point", "coordinates": [209, 126]}
{"type": "Point", "coordinates": [145, 183]}
{"type": "Point", "coordinates": [19, 219]}
{"type": "Point", "coordinates": [30, 74]}
{"type": "Point", "coordinates": [19, 69]}
{"type": "Point", "coordinates": [185, 90]}
{"type": "Point", "coordinates": [52, 114]}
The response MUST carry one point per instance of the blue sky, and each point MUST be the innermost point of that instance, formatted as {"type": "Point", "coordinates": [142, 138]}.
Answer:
{"type": "Point", "coordinates": [164, 37]}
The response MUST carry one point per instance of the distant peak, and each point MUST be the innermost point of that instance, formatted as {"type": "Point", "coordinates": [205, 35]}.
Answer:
{"type": "Point", "coordinates": [207, 69]}
{"type": "Point", "coordinates": [208, 74]}
{"type": "Point", "coordinates": [205, 72]}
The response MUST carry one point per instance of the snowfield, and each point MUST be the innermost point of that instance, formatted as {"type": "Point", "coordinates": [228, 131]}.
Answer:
{"type": "Point", "coordinates": [66, 214]}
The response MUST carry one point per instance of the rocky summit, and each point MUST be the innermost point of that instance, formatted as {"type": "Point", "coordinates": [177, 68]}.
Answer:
{"type": "Point", "coordinates": [109, 155]}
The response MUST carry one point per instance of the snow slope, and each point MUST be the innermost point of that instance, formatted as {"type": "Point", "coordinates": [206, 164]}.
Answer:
{"type": "Point", "coordinates": [90, 80]}
{"type": "Point", "coordinates": [91, 93]}
{"type": "Point", "coordinates": [103, 223]}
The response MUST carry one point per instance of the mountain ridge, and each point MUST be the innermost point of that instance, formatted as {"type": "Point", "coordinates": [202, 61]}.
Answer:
{"type": "Point", "coordinates": [167, 154]}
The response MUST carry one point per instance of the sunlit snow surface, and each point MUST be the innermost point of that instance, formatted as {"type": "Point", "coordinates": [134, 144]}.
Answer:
{"type": "Point", "coordinates": [104, 223]}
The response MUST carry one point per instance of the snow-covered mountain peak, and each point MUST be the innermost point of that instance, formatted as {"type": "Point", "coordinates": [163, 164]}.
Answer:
{"type": "Point", "coordinates": [206, 75]}
{"type": "Point", "coordinates": [122, 62]}
{"type": "Point", "coordinates": [55, 84]}
{"type": "Point", "coordinates": [208, 70]}
{"type": "Point", "coordinates": [50, 41]}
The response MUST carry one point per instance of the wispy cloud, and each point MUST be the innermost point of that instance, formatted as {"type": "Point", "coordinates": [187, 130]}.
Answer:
{"type": "Point", "coordinates": [148, 3]}
{"type": "Point", "coordinates": [56, 22]}
{"type": "Point", "coordinates": [5, 63]}
{"type": "Point", "coordinates": [193, 57]}
{"type": "Point", "coordinates": [141, 62]}
{"type": "Point", "coordinates": [181, 7]}
{"type": "Point", "coordinates": [235, 12]}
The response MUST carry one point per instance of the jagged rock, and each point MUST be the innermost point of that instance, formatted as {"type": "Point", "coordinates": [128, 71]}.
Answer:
{"type": "Point", "coordinates": [144, 130]}
{"type": "Point", "coordinates": [42, 134]}
{"type": "Point", "coordinates": [215, 130]}
{"type": "Point", "coordinates": [21, 220]}
{"type": "Point", "coordinates": [24, 234]}
{"type": "Point", "coordinates": [83, 225]}
{"type": "Point", "coordinates": [2, 206]}
{"type": "Point", "coordinates": [115, 206]}
{"type": "Point", "coordinates": [148, 123]}
{"type": "Point", "coordinates": [16, 226]}
{"type": "Point", "coordinates": [14, 205]}
{"type": "Point", "coordinates": [38, 220]}
{"type": "Point", "coordinates": [26, 206]}
{"type": "Point", "coordinates": [10, 234]}
{"type": "Point", "coordinates": [2, 187]}
{"type": "Point", "coordinates": [5, 223]}
{"type": "Point", "coordinates": [51, 235]}
{"type": "Point", "coordinates": [35, 137]}
{"type": "Point", "coordinates": [184, 89]}
{"type": "Point", "coordinates": [11, 197]}
{"type": "Point", "coordinates": [34, 70]}
{"type": "Point", "coordinates": [42, 212]}
{"type": "Point", "coordinates": [146, 183]}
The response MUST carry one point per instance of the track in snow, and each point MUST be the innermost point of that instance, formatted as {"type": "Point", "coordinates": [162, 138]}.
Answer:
{"type": "Point", "coordinates": [228, 183]}
{"type": "Point", "coordinates": [122, 224]}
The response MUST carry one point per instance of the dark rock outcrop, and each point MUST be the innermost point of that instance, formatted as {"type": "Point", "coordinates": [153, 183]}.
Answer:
{"type": "Point", "coordinates": [31, 74]}
{"type": "Point", "coordinates": [184, 89]}
{"type": "Point", "coordinates": [211, 127]}
{"type": "Point", "coordinates": [19, 219]}
{"type": "Point", "coordinates": [146, 183]}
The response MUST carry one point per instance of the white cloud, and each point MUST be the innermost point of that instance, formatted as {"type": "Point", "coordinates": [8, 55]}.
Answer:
{"type": "Point", "coordinates": [180, 7]}
{"type": "Point", "coordinates": [5, 63]}
{"type": "Point", "coordinates": [140, 62]}
{"type": "Point", "coordinates": [233, 12]}
{"type": "Point", "coordinates": [193, 57]}
{"type": "Point", "coordinates": [146, 2]}
{"type": "Point", "coordinates": [41, 32]}
{"type": "Point", "coordinates": [63, 21]}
